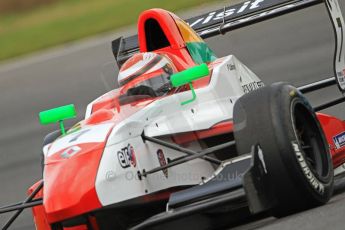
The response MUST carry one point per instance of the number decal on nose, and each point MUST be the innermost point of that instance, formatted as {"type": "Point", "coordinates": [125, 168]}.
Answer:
{"type": "Point", "coordinates": [77, 136]}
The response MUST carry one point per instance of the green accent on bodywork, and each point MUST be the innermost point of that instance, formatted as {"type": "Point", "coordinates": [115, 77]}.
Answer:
{"type": "Point", "coordinates": [200, 52]}
{"type": "Point", "coordinates": [58, 115]}
{"type": "Point", "coordinates": [189, 75]}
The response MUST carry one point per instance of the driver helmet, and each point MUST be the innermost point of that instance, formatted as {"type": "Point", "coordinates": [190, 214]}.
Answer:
{"type": "Point", "coordinates": [147, 70]}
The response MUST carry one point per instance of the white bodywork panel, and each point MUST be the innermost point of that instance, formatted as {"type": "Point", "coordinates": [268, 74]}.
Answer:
{"type": "Point", "coordinates": [117, 178]}
{"type": "Point", "coordinates": [115, 183]}
{"type": "Point", "coordinates": [214, 104]}
{"type": "Point", "coordinates": [91, 134]}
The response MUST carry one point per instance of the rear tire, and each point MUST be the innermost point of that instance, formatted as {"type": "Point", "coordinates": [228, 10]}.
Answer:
{"type": "Point", "coordinates": [296, 154]}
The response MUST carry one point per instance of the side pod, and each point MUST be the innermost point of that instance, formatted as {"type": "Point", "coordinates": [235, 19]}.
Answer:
{"type": "Point", "coordinates": [237, 183]}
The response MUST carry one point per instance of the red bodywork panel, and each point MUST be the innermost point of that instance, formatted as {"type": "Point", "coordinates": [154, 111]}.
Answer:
{"type": "Point", "coordinates": [332, 127]}
{"type": "Point", "coordinates": [167, 23]}
{"type": "Point", "coordinates": [40, 217]}
{"type": "Point", "coordinates": [70, 183]}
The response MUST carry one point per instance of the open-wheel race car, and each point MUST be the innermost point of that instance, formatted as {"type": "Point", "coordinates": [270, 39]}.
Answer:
{"type": "Point", "coordinates": [188, 137]}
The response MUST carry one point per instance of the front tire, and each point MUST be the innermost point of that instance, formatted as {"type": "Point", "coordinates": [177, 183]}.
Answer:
{"type": "Point", "coordinates": [281, 121]}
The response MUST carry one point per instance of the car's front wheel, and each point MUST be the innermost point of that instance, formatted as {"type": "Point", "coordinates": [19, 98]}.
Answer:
{"type": "Point", "coordinates": [296, 155]}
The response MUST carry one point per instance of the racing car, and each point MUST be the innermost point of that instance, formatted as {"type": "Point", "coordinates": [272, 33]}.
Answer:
{"type": "Point", "coordinates": [189, 136]}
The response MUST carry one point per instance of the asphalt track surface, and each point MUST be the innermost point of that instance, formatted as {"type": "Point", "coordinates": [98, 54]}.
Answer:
{"type": "Point", "coordinates": [297, 48]}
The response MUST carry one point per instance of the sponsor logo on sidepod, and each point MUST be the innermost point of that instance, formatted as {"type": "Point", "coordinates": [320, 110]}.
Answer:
{"type": "Point", "coordinates": [126, 157]}
{"type": "Point", "coordinates": [162, 161]}
{"type": "Point", "coordinates": [252, 86]}
{"type": "Point", "coordinates": [314, 182]}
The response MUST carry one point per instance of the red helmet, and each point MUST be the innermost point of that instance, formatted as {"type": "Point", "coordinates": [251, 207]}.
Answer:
{"type": "Point", "coordinates": [148, 71]}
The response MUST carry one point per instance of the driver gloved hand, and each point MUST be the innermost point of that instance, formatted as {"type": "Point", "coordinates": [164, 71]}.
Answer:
{"type": "Point", "coordinates": [141, 90]}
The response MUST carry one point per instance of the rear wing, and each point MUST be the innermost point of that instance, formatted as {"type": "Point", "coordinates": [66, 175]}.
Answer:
{"type": "Point", "coordinates": [247, 13]}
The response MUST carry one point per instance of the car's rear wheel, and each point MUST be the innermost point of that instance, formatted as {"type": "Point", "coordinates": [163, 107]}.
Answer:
{"type": "Point", "coordinates": [281, 121]}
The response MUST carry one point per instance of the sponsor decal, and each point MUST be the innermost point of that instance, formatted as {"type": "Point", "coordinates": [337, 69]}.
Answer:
{"type": "Point", "coordinates": [162, 161]}
{"type": "Point", "coordinates": [230, 67]}
{"type": "Point", "coordinates": [234, 11]}
{"type": "Point", "coordinates": [252, 86]}
{"type": "Point", "coordinates": [71, 151]}
{"type": "Point", "coordinates": [313, 181]}
{"type": "Point", "coordinates": [126, 157]}
{"type": "Point", "coordinates": [339, 140]}
{"type": "Point", "coordinates": [240, 13]}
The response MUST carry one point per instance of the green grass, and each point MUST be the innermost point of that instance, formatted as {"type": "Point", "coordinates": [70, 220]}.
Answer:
{"type": "Point", "coordinates": [68, 20]}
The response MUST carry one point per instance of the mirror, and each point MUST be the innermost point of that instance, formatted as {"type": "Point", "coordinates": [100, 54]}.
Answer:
{"type": "Point", "coordinates": [189, 75]}
{"type": "Point", "coordinates": [58, 114]}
